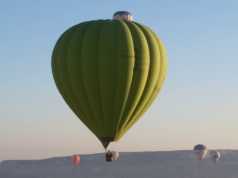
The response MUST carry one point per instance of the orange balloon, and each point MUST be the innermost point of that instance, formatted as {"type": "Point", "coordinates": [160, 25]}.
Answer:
{"type": "Point", "coordinates": [76, 160]}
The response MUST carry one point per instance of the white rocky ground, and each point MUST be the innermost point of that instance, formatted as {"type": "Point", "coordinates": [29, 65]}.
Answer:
{"type": "Point", "coordinates": [169, 164]}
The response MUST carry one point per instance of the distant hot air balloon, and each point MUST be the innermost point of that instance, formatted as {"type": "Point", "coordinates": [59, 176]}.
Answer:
{"type": "Point", "coordinates": [122, 15]}
{"type": "Point", "coordinates": [215, 155]}
{"type": "Point", "coordinates": [108, 156]}
{"type": "Point", "coordinates": [115, 155]}
{"type": "Point", "coordinates": [109, 72]}
{"type": "Point", "coordinates": [76, 160]}
{"type": "Point", "coordinates": [200, 151]}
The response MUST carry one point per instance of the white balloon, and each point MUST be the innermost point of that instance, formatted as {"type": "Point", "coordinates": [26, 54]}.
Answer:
{"type": "Point", "coordinates": [215, 155]}
{"type": "Point", "coordinates": [115, 155]}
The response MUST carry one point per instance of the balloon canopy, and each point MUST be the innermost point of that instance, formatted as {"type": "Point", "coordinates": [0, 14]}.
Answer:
{"type": "Point", "coordinates": [109, 72]}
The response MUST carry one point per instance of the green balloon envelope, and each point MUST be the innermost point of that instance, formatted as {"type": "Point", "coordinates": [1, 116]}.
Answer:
{"type": "Point", "coordinates": [109, 72]}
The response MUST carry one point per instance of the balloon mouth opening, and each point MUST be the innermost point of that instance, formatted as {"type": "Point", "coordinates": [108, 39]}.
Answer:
{"type": "Point", "coordinates": [106, 141]}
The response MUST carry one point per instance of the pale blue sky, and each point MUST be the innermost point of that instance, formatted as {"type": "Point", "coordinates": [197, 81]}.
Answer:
{"type": "Point", "coordinates": [198, 102]}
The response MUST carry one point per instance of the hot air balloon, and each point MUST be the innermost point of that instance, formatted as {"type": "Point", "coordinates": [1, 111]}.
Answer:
{"type": "Point", "coordinates": [122, 15]}
{"type": "Point", "coordinates": [108, 156]}
{"type": "Point", "coordinates": [76, 160]}
{"type": "Point", "coordinates": [200, 151]}
{"type": "Point", "coordinates": [115, 155]}
{"type": "Point", "coordinates": [215, 155]}
{"type": "Point", "coordinates": [109, 72]}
